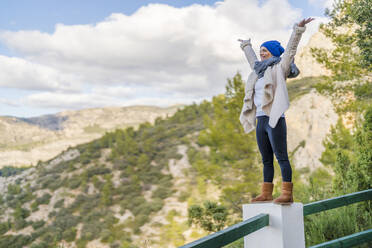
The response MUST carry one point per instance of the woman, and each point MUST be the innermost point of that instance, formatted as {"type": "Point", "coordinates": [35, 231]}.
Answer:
{"type": "Point", "coordinates": [266, 99]}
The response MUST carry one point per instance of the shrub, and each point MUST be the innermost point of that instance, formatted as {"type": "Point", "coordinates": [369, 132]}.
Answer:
{"type": "Point", "coordinates": [41, 244]}
{"type": "Point", "coordinates": [106, 236]}
{"type": "Point", "coordinates": [184, 195]}
{"type": "Point", "coordinates": [120, 164]}
{"type": "Point", "coordinates": [43, 200]}
{"type": "Point", "coordinates": [162, 192]}
{"type": "Point", "coordinates": [115, 245]}
{"type": "Point", "coordinates": [90, 231]}
{"type": "Point", "coordinates": [132, 204]}
{"type": "Point", "coordinates": [8, 198]}
{"type": "Point", "coordinates": [24, 197]}
{"type": "Point", "coordinates": [19, 224]}
{"type": "Point", "coordinates": [50, 237]}
{"type": "Point", "coordinates": [94, 215]}
{"type": "Point", "coordinates": [69, 235]}
{"type": "Point", "coordinates": [90, 204]}
{"type": "Point", "coordinates": [48, 181]}
{"type": "Point", "coordinates": [157, 204]}
{"type": "Point", "coordinates": [84, 160]}
{"type": "Point", "coordinates": [79, 200]}
{"type": "Point", "coordinates": [81, 243]}
{"type": "Point", "coordinates": [34, 206]}
{"type": "Point", "coordinates": [64, 222]}
{"type": "Point", "coordinates": [38, 224]}
{"type": "Point", "coordinates": [143, 209]}
{"type": "Point", "coordinates": [57, 184]}
{"type": "Point", "coordinates": [14, 203]}
{"type": "Point", "coordinates": [15, 241]}
{"type": "Point", "coordinates": [129, 191]}
{"type": "Point", "coordinates": [100, 170]}
{"type": "Point", "coordinates": [14, 189]}
{"type": "Point", "coordinates": [39, 232]}
{"type": "Point", "coordinates": [20, 213]}
{"type": "Point", "coordinates": [4, 227]}
{"type": "Point", "coordinates": [110, 220]}
{"type": "Point", "coordinates": [127, 244]}
{"type": "Point", "coordinates": [8, 171]}
{"type": "Point", "coordinates": [139, 221]}
{"type": "Point", "coordinates": [74, 182]}
{"type": "Point", "coordinates": [59, 204]}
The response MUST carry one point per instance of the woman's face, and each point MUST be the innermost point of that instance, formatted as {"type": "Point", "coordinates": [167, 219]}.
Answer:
{"type": "Point", "coordinates": [264, 53]}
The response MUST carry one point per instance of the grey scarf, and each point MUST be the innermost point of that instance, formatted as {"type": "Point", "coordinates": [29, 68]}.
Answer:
{"type": "Point", "coordinates": [261, 66]}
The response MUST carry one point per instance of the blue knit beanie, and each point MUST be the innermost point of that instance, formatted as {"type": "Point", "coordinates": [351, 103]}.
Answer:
{"type": "Point", "coordinates": [274, 47]}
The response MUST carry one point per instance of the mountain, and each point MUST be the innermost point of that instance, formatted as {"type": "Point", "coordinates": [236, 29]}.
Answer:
{"type": "Point", "coordinates": [25, 141]}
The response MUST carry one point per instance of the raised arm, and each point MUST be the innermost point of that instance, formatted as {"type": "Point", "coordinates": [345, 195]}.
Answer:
{"type": "Point", "coordinates": [246, 46]}
{"type": "Point", "coordinates": [291, 49]}
{"type": "Point", "coordinates": [292, 45]}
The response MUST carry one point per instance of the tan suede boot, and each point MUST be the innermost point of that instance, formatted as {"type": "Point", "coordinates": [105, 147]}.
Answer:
{"type": "Point", "coordinates": [266, 193]}
{"type": "Point", "coordinates": [287, 196]}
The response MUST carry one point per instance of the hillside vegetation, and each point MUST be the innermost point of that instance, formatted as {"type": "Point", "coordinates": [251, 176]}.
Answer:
{"type": "Point", "coordinates": [124, 173]}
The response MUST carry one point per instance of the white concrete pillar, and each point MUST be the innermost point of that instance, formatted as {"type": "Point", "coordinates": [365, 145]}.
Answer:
{"type": "Point", "coordinates": [285, 230]}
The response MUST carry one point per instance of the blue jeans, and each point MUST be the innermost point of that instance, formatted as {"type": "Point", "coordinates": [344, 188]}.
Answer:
{"type": "Point", "coordinates": [273, 141]}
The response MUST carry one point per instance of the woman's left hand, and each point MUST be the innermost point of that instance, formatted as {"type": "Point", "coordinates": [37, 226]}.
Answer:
{"type": "Point", "coordinates": [305, 21]}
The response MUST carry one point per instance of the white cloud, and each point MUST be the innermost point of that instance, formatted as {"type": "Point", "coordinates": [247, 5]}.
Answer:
{"type": "Point", "coordinates": [69, 101]}
{"type": "Point", "coordinates": [184, 54]}
{"type": "Point", "coordinates": [23, 74]}
{"type": "Point", "coordinates": [322, 3]}
{"type": "Point", "coordinates": [96, 99]}
{"type": "Point", "coordinates": [118, 91]}
{"type": "Point", "coordinates": [10, 102]}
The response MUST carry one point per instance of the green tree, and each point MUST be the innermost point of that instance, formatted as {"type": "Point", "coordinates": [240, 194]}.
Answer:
{"type": "Point", "coordinates": [339, 139]}
{"type": "Point", "coordinates": [350, 31]}
{"type": "Point", "coordinates": [231, 163]}
{"type": "Point", "coordinates": [350, 28]}
{"type": "Point", "coordinates": [210, 216]}
{"type": "Point", "coordinates": [361, 170]}
{"type": "Point", "coordinates": [20, 213]}
{"type": "Point", "coordinates": [350, 155]}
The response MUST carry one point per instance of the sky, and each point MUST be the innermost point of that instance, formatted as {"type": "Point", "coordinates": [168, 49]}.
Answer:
{"type": "Point", "coordinates": [69, 55]}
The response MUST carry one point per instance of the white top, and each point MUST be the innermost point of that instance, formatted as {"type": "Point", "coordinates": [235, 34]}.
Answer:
{"type": "Point", "coordinates": [258, 96]}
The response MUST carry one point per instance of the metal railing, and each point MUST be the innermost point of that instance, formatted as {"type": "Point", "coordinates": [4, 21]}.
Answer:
{"type": "Point", "coordinates": [319, 206]}
{"type": "Point", "coordinates": [237, 231]}
{"type": "Point", "coordinates": [230, 234]}
{"type": "Point", "coordinates": [350, 240]}
{"type": "Point", "coordinates": [347, 241]}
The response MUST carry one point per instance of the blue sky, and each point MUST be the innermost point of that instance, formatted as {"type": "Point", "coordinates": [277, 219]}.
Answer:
{"type": "Point", "coordinates": [25, 23]}
{"type": "Point", "coordinates": [44, 14]}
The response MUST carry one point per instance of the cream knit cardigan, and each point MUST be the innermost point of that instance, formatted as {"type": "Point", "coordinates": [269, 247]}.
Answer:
{"type": "Point", "coordinates": [275, 100]}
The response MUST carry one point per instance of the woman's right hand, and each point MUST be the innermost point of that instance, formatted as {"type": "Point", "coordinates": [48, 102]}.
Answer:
{"type": "Point", "coordinates": [305, 21]}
